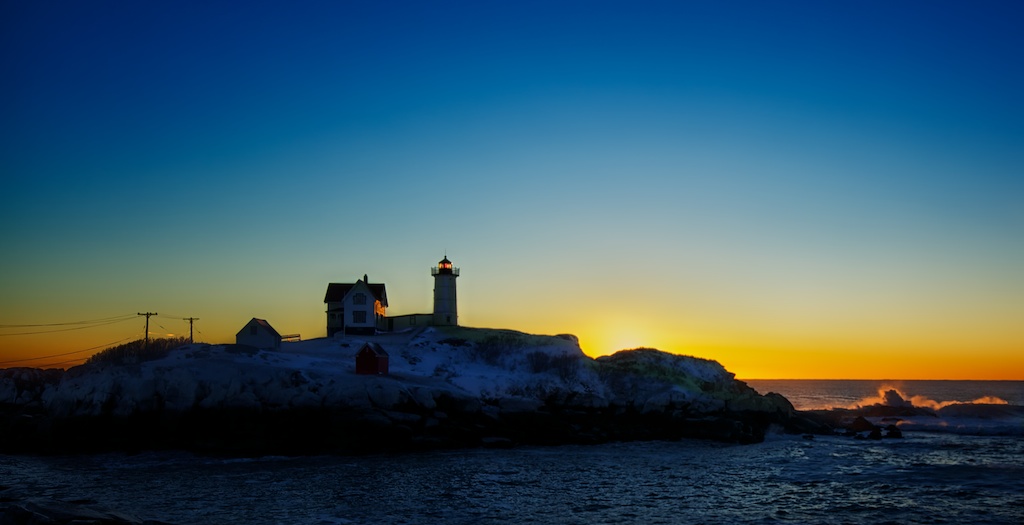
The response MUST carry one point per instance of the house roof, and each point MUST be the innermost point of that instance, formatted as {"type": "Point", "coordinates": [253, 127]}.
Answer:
{"type": "Point", "coordinates": [336, 292]}
{"type": "Point", "coordinates": [264, 324]}
{"type": "Point", "coordinates": [375, 348]}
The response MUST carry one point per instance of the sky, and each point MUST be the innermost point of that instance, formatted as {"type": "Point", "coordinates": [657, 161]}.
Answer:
{"type": "Point", "coordinates": [793, 189]}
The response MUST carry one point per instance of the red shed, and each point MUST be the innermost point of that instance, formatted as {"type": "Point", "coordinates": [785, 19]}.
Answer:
{"type": "Point", "coordinates": [372, 360]}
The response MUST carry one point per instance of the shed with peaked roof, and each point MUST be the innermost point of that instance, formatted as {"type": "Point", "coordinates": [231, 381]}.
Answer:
{"type": "Point", "coordinates": [259, 334]}
{"type": "Point", "coordinates": [371, 359]}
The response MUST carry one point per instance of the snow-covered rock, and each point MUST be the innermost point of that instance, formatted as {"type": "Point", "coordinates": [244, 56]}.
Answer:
{"type": "Point", "coordinates": [25, 386]}
{"type": "Point", "coordinates": [446, 385]}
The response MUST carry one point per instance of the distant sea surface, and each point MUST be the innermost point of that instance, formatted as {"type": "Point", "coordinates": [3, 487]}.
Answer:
{"type": "Point", "coordinates": [818, 394]}
{"type": "Point", "coordinates": [926, 477]}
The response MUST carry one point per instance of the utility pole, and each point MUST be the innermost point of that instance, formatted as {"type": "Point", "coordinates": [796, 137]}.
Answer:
{"type": "Point", "coordinates": [190, 321]}
{"type": "Point", "coordinates": [148, 315]}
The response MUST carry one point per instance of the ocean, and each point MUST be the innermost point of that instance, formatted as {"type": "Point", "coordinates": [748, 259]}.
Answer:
{"type": "Point", "coordinates": [848, 393]}
{"type": "Point", "coordinates": [928, 476]}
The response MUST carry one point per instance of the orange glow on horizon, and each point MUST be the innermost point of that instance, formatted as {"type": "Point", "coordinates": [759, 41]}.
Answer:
{"type": "Point", "coordinates": [753, 360]}
{"type": "Point", "coordinates": [755, 356]}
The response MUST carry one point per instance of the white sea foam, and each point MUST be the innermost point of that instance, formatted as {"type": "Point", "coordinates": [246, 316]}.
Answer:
{"type": "Point", "coordinates": [818, 394]}
{"type": "Point", "coordinates": [892, 396]}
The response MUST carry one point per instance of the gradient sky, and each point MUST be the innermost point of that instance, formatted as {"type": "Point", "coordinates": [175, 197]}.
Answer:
{"type": "Point", "coordinates": [794, 189]}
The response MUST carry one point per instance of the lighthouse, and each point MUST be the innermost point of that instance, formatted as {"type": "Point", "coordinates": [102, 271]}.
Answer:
{"type": "Point", "coordinates": [446, 312]}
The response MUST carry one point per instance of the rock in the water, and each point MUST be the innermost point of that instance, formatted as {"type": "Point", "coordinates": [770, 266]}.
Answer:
{"type": "Point", "coordinates": [861, 425]}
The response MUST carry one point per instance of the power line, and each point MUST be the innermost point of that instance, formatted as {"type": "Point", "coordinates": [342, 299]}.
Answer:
{"type": "Point", "coordinates": [191, 321]}
{"type": "Point", "coordinates": [80, 359]}
{"type": "Point", "coordinates": [59, 363]}
{"type": "Point", "coordinates": [91, 321]}
{"type": "Point", "coordinates": [64, 354]}
{"type": "Point", "coordinates": [69, 329]}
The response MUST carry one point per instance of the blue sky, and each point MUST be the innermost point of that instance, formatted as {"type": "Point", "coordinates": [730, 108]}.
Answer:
{"type": "Point", "coordinates": [806, 180]}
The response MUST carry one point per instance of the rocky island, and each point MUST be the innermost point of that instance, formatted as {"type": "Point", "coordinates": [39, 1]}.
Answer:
{"type": "Point", "coordinates": [441, 387]}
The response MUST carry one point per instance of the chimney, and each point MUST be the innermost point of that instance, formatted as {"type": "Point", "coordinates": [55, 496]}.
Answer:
{"type": "Point", "coordinates": [366, 279]}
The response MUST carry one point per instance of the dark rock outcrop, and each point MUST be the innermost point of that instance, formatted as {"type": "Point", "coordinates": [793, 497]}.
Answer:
{"type": "Point", "coordinates": [861, 425]}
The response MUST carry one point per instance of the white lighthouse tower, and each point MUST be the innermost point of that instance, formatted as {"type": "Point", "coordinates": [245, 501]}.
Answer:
{"type": "Point", "coordinates": [446, 312]}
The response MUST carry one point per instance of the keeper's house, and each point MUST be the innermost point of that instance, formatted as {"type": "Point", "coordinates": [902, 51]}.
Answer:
{"type": "Point", "coordinates": [355, 308]}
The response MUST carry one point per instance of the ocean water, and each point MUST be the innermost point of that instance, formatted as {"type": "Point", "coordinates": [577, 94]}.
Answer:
{"type": "Point", "coordinates": [926, 477]}
{"type": "Point", "coordinates": [818, 394]}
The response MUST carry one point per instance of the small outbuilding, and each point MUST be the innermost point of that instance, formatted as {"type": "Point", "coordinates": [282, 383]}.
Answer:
{"type": "Point", "coordinates": [371, 359]}
{"type": "Point", "coordinates": [258, 333]}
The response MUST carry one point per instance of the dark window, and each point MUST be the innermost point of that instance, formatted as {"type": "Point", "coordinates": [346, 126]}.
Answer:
{"type": "Point", "coordinates": [359, 298]}
{"type": "Point", "coordinates": [252, 330]}
{"type": "Point", "coordinates": [359, 316]}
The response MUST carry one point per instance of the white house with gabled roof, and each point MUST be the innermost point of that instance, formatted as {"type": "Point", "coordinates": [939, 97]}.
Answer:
{"type": "Point", "coordinates": [355, 308]}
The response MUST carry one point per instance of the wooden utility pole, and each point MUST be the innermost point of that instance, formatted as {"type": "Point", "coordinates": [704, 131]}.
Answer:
{"type": "Point", "coordinates": [148, 315]}
{"type": "Point", "coordinates": [190, 321]}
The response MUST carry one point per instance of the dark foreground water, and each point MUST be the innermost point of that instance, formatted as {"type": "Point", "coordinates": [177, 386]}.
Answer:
{"type": "Point", "coordinates": [927, 477]}
{"type": "Point", "coordinates": [924, 478]}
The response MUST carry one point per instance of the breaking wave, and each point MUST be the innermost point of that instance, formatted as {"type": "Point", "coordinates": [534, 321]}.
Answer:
{"type": "Point", "coordinates": [891, 396]}
{"type": "Point", "coordinates": [984, 416]}
{"type": "Point", "coordinates": [971, 407]}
